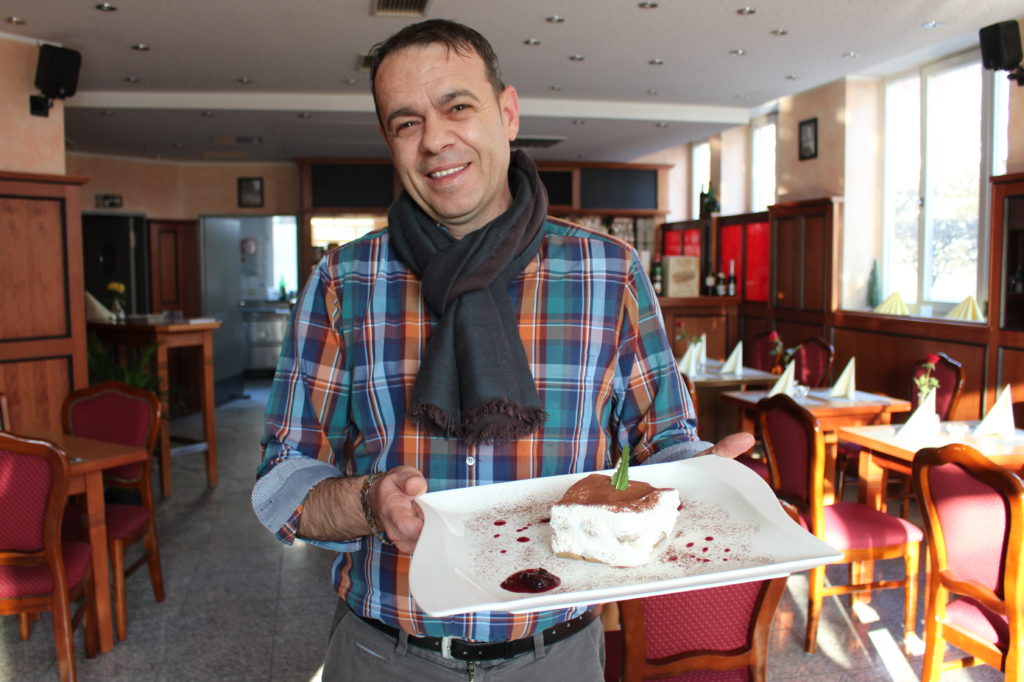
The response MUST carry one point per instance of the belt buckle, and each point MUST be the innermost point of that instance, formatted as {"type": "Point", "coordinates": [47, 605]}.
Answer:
{"type": "Point", "coordinates": [446, 647]}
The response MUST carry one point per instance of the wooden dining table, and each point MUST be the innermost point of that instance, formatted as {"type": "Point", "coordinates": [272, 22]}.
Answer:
{"type": "Point", "coordinates": [832, 414]}
{"type": "Point", "coordinates": [88, 459]}
{"type": "Point", "coordinates": [716, 418]}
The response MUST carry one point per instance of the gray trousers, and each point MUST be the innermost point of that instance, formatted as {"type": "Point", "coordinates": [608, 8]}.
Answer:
{"type": "Point", "coordinates": [358, 652]}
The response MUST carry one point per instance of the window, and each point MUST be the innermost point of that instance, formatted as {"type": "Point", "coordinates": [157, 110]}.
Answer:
{"type": "Point", "coordinates": [700, 175]}
{"type": "Point", "coordinates": [762, 164]}
{"type": "Point", "coordinates": [933, 161]}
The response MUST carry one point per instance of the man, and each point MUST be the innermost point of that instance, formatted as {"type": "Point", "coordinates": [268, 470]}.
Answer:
{"type": "Point", "coordinates": [474, 341]}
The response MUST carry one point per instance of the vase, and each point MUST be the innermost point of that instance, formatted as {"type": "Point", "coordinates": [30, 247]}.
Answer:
{"type": "Point", "coordinates": [117, 310]}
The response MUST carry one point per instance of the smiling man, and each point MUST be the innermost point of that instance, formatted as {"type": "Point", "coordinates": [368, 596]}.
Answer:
{"type": "Point", "coordinates": [474, 341]}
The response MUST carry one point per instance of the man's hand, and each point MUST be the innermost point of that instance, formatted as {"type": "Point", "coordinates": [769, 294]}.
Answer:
{"type": "Point", "coordinates": [731, 446]}
{"type": "Point", "coordinates": [394, 507]}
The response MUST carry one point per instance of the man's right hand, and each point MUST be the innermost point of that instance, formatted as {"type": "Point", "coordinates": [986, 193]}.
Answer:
{"type": "Point", "coordinates": [392, 499]}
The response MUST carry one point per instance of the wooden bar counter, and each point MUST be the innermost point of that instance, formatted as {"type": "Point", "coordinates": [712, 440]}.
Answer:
{"type": "Point", "coordinates": [165, 335]}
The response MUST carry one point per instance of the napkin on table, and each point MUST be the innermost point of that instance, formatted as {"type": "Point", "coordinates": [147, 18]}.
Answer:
{"type": "Point", "coordinates": [923, 422]}
{"type": "Point", "coordinates": [845, 386]}
{"type": "Point", "coordinates": [999, 420]}
{"type": "Point", "coordinates": [893, 305]}
{"type": "Point", "coordinates": [786, 382]}
{"type": "Point", "coordinates": [966, 309]}
{"type": "Point", "coordinates": [688, 363]}
{"type": "Point", "coordinates": [96, 311]}
{"type": "Point", "coordinates": [734, 363]}
{"type": "Point", "coordinates": [702, 359]}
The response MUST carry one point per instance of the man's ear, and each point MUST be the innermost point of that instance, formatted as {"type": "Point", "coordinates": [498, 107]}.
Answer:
{"type": "Point", "coordinates": [509, 103]}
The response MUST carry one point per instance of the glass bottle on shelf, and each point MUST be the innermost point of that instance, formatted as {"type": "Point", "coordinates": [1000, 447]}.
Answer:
{"type": "Point", "coordinates": [657, 276]}
{"type": "Point", "coordinates": [709, 284]}
{"type": "Point", "coordinates": [720, 285]}
{"type": "Point", "coordinates": [731, 283]}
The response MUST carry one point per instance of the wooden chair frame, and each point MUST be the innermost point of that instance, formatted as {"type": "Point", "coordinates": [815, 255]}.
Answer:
{"type": "Point", "coordinates": [909, 552]}
{"type": "Point", "coordinates": [142, 484]}
{"type": "Point", "coordinates": [942, 581]}
{"type": "Point", "coordinates": [5, 414]}
{"type": "Point", "coordinates": [58, 602]}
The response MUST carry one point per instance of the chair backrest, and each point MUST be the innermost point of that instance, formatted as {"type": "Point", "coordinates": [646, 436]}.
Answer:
{"type": "Point", "coordinates": [692, 390]}
{"type": "Point", "coordinates": [33, 487]}
{"type": "Point", "coordinates": [813, 360]}
{"type": "Point", "coordinates": [116, 412]}
{"type": "Point", "coordinates": [795, 447]}
{"type": "Point", "coordinates": [760, 354]}
{"type": "Point", "coordinates": [950, 375]}
{"type": "Point", "coordinates": [974, 521]}
{"type": "Point", "coordinates": [5, 414]}
{"type": "Point", "coordinates": [718, 628]}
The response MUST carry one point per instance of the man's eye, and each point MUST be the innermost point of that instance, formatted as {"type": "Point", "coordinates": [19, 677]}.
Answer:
{"type": "Point", "coordinates": [404, 127]}
{"type": "Point", "coordinates": [458, 108]}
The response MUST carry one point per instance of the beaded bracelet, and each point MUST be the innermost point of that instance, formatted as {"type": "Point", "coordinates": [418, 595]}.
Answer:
{"type": "Point", "coordinates": [364, 498]}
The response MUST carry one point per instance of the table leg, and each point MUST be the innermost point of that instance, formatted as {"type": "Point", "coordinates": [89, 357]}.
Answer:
{"type": "Point", "coordinates": [165, 425]}
{"type": "Point", "coordinates": [209, 412]}
{"type": "Point", "coordinates": [96, 525]}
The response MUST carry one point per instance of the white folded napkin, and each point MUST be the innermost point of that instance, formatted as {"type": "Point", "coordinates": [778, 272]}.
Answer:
{"type": "Point", "coordinates": [999, 420]}
{"type": "Point", "coordinates": [786, 382]}
{"type": "Point", "coordinates": [703, 357]}
{"type": "Point", "coordinates": [734, 363]}
{"type": "Point", "coordinates": [893, 305]}
{"type": "Point", "coordinates": [688, 363]}
{"type": "Point", "coordinates": [845, 386]}
{"type": "Point", "coordinates": [922, 424]}
{"type": "Point", "coordinates": [96, 311]}
{"type": "Point", "coordinates": [967, 309]}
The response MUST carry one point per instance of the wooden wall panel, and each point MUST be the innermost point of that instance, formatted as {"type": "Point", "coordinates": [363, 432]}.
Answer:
{"type": "Point", "coordinates": [1010, 371]}
{"type": "Point", "coordinates": [787, 259]}
{"type": "Point", "coordinates": [32, 262]}
{"type": "Point", "coordinates": [174, 266]}
{"type": "Point", "coordinates": [816, 263]}
{"type": "Point", "coordinates": [36, 390]}
{"type": "Point", "coordinates": [716, 317]}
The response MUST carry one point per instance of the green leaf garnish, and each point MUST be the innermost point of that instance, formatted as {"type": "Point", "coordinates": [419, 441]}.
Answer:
{"type": "Point", "coordinates": [620, 479]}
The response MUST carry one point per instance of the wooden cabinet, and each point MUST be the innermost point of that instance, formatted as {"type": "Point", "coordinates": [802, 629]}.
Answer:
{"type": "Point", "coordinates": [804, 256]}
{"type": "Point", "coordinates": [42, 311]}
{"type": "Point", "coordinates": [1006, 272]}
{"type": "Point", "coordinates": [718, 317]}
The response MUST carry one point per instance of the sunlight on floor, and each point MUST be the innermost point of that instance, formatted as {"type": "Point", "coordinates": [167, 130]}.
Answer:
{"type": "Point", "coordinates": [889, 652]}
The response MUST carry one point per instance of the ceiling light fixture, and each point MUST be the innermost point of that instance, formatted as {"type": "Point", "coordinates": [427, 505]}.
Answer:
{"type": "Point", "coordinates": [738, 52]}
{"type": "Point", "coordinates": [141, 47]}
{"type": "Point", "coordinates": [531, 41]}
{"type": "Point", "coordinates": [208, 114]}
{"type": "Point", "coordinates": [178, 145]}
{"type": "Point", "coordinates": [779, 32]}
{"type": "Point", "coordinates": [652, 92]}
{"type": "Point", "coordinates": [792, 77]}
{"type": "Point", "coordinates": [745, 11]}
{"type": "Point", "coordinates": [647, 5]}
{"type": "Point", "coordinates": [657, 61]}
{"type": "Point", "coordinates": [555, 20]}
{"type": "Point", "coordinates": [556, 88]}
{"type": "Point", "coordinates": [15, 21]}
{"type": "Point", "coordinates": [578, 121]}
{"type": "Point", "coordinates": [576, 58]}
{"type": "Point", "coordinates": [106, 7]}
{"type": "Point", "coordinates": [351, 81]}
{"type": "Point", "coordinates": [741, 96]}
{"type": "Point", "coordinates": [851, 55]}
{"type": "Point", "coordinates": [305, 115]}
{"type": "Point", "coordinates": [931, 24]}
{"type": "Point", "coordinates": [245, 81]}
{"type": "Point", "coordinates": [131, 79]}
{"type": "Point", "coordinates": [661, 124]}
{"type": "Point", "coordinates": [106, 112]}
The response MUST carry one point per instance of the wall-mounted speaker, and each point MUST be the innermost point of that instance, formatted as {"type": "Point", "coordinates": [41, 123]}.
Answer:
{"type": "Point", "coordinates": [57, 71]}
{"type": "Point", "coordinates": [1000, 46]}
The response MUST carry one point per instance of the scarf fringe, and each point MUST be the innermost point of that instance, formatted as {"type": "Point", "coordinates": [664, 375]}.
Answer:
{"type": "Point", "coordinates": [522, 421]}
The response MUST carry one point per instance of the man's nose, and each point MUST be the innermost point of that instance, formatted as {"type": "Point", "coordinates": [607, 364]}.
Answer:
{"type": "Point", "coordinates": [437, 135]}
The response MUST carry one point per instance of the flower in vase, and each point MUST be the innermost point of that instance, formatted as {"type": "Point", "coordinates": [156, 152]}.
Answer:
{"type": "Point", "coordinates": [776, 341]}
{"type": "Point", "coordinates": [118, 296]}
{"type": "Point", "coordinates": [926, 382]}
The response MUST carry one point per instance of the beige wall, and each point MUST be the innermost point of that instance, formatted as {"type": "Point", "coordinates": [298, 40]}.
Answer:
{"type": "Point", "coordinates": [169, 190]}
{"type": "Point", "coordinates": [678, 179]}
{"type": "Point", "coordinates": [1015, 159]}
{"type": "Point", "coordinates": [821, 176]}
{"type": "Point", "coordinates": [734, 178]}
{"type": "Point", "coordinates": [28, 144]}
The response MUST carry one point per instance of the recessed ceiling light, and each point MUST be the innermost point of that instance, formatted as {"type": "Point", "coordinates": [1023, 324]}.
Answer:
{"type": "Point", "coordinates": [745, 11]}
{"type": "Point", "coordinates": [178, 145]}
{"type": "Point", "coordinates": [657, 61]}
{"type": "Point", "coordinates": [305, 114]}
{"type": "Point", "coordinates": [661, 124]}
{"type": "Point", "coordinates": [851, 55]}
{"type": "Point", "coordinates": [931, 24]}
{"type": "Point", "coordinates": [578, 121]}
{"type": "Point", "coordinates": [131, 79]}
{"type": "Point", "coordinates": [738, 52]}
{"type": "Point", "coordinates": [351, 81]}
{"type": "Point", "coordinates": [141, 47]}
{"type": "Point", "coordinates": [531, 41]}
{"type": "Point", "coordinates": [106, 7]}
{"type": "Point", "coordinates": [555, 19]}
{"type": "Point", "coordinates": [792, 77]}
{"type": "Point", "coordinates": [647, 5]}
{"type": "Point", "coordinates": [15, 21]}
{"type": "Point", "coordinates": [106, 112]}
{"type": "Point", "coordinates": [556, 88]}
{"type": "Point", "coordinates": [245, 81]}
{"type": "Point", "coordinates": [651, 91]}
{"type": "Point", "coordinates": [576, 58]}
{"type": "Point", "coordinates": [208, 114]}
{"type": "Point", "coordinates": [741, 96]}
{"type": "Point", "coordinates": [779, 32]}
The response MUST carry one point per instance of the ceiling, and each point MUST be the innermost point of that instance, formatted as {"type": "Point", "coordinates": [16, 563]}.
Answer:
{"type": "Point", "coordinates": [309, 97]}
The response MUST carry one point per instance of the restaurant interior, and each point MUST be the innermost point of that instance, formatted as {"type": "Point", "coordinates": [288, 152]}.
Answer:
{"type": "Point", "coordinates": [829, 203]}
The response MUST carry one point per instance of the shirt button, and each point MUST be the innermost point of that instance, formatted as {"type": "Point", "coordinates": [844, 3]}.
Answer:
{"type": "Point", "coordinates": [470, 461]}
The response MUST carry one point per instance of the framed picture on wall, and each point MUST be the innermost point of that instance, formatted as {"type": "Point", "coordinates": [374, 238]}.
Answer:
{"type": "Point", "coordinates": [808, 139]}
{"type": "Point", "coordinates": [250, 192]}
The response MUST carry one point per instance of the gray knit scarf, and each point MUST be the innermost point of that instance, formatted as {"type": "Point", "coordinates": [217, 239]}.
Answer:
{"type": "Point", "coordinates": [474, 382]}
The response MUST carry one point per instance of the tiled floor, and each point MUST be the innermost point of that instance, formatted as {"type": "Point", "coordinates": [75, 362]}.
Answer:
{"type": "Point", "coordinates": [242, 607]}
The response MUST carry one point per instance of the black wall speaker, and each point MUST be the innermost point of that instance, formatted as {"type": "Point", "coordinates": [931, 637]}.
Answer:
{"type": "Point", "coordinates": [1000, 46]}
{"type": "Point", "coordinates": [57, 71]}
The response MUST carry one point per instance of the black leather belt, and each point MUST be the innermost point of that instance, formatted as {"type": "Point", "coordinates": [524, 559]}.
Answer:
{"type": "Point", "coordinates": [450, 647]}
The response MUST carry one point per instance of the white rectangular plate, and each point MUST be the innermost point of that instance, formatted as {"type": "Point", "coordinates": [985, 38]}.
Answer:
{"type": "Point", "coordinates": [731, 529]}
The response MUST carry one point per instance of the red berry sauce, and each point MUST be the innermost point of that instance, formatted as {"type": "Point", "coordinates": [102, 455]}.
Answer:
{"type": "Point", "coordinates": [531, 580]}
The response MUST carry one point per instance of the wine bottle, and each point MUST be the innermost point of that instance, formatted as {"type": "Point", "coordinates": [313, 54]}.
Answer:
{"type": "Point", "coordinates": [731, 283]}
{"type": "Point", "coordinates": [657, 276]}
{"type": "Point", "coordinates": [720, 285]}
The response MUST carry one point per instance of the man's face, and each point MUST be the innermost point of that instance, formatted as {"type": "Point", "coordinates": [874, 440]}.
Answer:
{"type": "Point", "coordinates": [448, 133]}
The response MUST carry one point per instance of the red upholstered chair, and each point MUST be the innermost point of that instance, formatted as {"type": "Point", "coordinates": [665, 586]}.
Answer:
{"type": "Point", "coordinates": [760, 354]}
{"type": "Point", "coordinates": [950, 374]}
{"type": "Point", "coordinates": [796, 452]}
{"type": "Point", "coordinates": [120, 413]}
{"type": "Point", "coordinates": [813, 362]}
{"type": "Point", "coordinates": [37, 571]}
{"type": "Point", "coordinates": [974, 519]}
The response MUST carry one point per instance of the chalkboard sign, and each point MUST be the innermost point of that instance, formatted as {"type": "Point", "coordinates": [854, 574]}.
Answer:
{"type": "Point", "coordinates": [337, 185]}
{"type": "Point", "coordinates": [559, 186]}
{"type": "Point", "coordinates": [619, 188]}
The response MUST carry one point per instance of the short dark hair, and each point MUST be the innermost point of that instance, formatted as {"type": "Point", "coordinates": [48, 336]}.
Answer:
{"type": "Point", "coordinates": [458, 37]}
